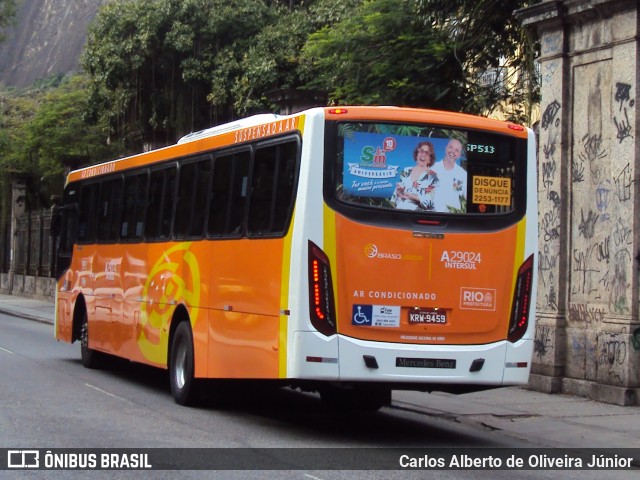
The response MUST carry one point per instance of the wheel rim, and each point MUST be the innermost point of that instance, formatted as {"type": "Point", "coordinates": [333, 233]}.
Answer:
{"type": "Point", "coordinates": [180, 367]}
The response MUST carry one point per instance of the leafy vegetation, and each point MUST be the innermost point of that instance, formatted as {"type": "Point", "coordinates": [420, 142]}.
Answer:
{"type": "Point", "coordinates": [162, 68]}
{"type": "Point", "coordinates": [43, 132]}
{"type": "Point", "coordinates": [426, 53]}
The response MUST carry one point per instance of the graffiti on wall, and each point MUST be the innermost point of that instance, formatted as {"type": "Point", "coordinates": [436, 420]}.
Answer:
{"type": "Point", "coordinates": [580, 312]}
{"type": "Point", "coordinates": [625, 103]}
{"type": "Point", "coordinates": [602, 193]}
{"type": "Point", "coordinates": [544, 342]}
{"type": "Point", "coordinates": [612, 356]}
{"type": "Point", "coordinates": [550, 219]}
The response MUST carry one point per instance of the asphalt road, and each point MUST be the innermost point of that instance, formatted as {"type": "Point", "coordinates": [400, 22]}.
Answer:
{"type": "Point", "coordinates": [49, 400]}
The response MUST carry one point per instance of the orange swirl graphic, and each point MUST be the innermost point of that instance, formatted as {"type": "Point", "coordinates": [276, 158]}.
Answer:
{"type": "Point", "coordinates": [174, 279]}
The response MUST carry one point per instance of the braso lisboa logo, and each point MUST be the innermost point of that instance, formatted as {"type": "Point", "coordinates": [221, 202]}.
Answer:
{"type": "Point", "coordinates": [371, 250]}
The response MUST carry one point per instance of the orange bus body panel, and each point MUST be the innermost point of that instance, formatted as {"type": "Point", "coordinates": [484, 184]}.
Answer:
{"type": "Point", "coordinates": [230, 291]}
{"type": "Point", "coordinates": [442, 118]}
{"type": "Point", "coordinates": [245, 284]}
{"type": "Point", "coordinates": [409, 271]}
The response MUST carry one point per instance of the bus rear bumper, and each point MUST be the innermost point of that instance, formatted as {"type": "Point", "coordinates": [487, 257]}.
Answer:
{"type": "Point", "coordinates": [346, 359]}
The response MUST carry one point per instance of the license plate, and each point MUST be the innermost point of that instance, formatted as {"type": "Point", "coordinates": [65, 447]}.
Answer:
{"type": "Point", "coordinates": [419, 316]}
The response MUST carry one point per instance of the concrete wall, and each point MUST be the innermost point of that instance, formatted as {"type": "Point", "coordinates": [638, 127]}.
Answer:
{"type": "Point", "coordinates": [27, 276]}
{"type": "Point", "coordinates": [42, 288]}
{"type": "Point", "coordinates": [588, 334]}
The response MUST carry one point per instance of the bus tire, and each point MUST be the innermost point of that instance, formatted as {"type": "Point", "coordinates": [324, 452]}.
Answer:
{"type": "Point", "coordinates": [184, 387]}
{"type": "Point", "coordinates": [90, 358]}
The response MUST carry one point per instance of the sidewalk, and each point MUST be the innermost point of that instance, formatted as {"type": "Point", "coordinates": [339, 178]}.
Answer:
{"type": "Point", "coordinates": [540, 418]}
{"type": "Point", "coordinates": [38, 310]}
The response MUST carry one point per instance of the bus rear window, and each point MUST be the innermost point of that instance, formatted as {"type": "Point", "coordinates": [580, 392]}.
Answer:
{"type": "Point", "coordinates": [426, 169]}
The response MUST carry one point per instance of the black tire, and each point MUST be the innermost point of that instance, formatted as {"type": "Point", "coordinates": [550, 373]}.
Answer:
{"type": "Point", "coordinates": [184, 387]}
{"type": "Point", "coordinates": [90, 358]}
{"type": "Point", "coordinates": [353, 400]}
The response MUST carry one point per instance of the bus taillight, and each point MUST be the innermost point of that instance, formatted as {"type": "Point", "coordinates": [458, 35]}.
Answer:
{"type": "Point", "coordinates": [521, 301]}
{"type": "Point", "coordinates": [321, 303]}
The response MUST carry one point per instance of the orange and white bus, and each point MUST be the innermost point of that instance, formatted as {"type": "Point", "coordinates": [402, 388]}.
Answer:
{"type": "Point", "coordinates": [351, 251]}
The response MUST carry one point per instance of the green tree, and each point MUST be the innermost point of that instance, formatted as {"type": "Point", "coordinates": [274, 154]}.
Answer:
{"type": "Point", "coordinates": [488, 38]}
{"type": "Point", "coordinates": [43, 133]}
{"type": "Point", "coordinates": [273, 59]}
{"type": "Point", "coordinates": [15, 113]}
{"type": "Point", "coordinates": [422, 53]}
{"type": "Point", "coordinates": [58, 137]}
{"type": "Point", "coordinates": [162, 68]}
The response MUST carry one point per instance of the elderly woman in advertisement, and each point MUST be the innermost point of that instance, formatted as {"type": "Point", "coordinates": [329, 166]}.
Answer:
{"type": "Point", "coordinates": [415, 189]}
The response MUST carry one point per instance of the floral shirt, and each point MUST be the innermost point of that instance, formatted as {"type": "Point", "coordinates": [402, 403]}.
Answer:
{"type": "Point", "coordinates": [452, 188]}
{"type": "Point", "coordinates": [423, 188]}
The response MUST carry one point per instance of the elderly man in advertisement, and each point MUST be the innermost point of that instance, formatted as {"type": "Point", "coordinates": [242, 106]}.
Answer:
{"type": "Point", "coordinates": [451, 193]}
{"type": "Point", "coordinates": [415, 189]}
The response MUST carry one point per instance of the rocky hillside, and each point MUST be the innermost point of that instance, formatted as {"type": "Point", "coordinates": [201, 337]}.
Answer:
{"type": "Point", "coordinates": [46, 39]}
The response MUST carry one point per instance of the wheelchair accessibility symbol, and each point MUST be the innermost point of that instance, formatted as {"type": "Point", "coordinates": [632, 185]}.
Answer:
{"type": "Point", "coordinates": [362, 315]}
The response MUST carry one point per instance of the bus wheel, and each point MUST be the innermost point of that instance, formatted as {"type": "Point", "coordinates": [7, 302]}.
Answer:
{"type": "Point", "coordinates": [90, 357]}
{"type": "Point", "coordinates": [184, 388]}
{"type": "Point", "coordinates": [357, 399]}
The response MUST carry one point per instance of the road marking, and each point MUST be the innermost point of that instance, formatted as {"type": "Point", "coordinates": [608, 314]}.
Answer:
{"type": "Point", "coordinates": [5, 350]}
{"type": "Point", "coordinates": [312, 477]}
{"type": "Point", "coordinates": [108, 393]}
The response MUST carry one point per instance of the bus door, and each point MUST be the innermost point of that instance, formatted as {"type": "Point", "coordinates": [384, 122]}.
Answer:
{"type": "Point", "coordinates": [103, 259]}
{"type": "Point", "coordinates": [63, 232]}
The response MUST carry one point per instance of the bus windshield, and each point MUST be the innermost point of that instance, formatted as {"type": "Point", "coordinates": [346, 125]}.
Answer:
{"type": "Point", "coordinates": [427, 169]}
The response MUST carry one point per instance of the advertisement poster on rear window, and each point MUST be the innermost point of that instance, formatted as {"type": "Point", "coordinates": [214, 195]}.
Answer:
{"type": "Point", "coordinates": [406, 170]}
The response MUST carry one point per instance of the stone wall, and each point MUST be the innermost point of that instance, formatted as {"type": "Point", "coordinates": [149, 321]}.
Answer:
{"type": "Point", "coordinates": [28, 272]}
{"type": "Point", "coordinates": [588, 334]}
{"type": "Point", "coordinates": [42, 288]}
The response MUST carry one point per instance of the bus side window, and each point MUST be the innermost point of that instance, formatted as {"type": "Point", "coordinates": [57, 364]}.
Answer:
{"type": "Point", "coordinates": [228, 195]}
{"type": "Point", "coordinates": [161, 195]}
{"type": "Point", "coordinates": [221, 185]}
{"type": "Point", "coordinates": [135, 197]}
{"type": "Point", "coordinates": [154, 211]}
{"type": "Point", "coordinates": [167, 203]}
{"type": "Point", "coordinates": [263, 190]}
{"type": "Point", "coordinates": [109, 210]}
{"type": "Point", "coordinates": [193, 191]}
{"type": "Point", "coordinates": [272, 191]}
{"type": "Point", "coordinates": [86, 217]}
{"type": "Point", "coordinates": [200, 198]}
{"type": "Point", "coordinates": [238, 195]}
{"type": "Point", "coordinates": [186, 177]}
{"type": "Point", "coordinates": [285, 190]}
